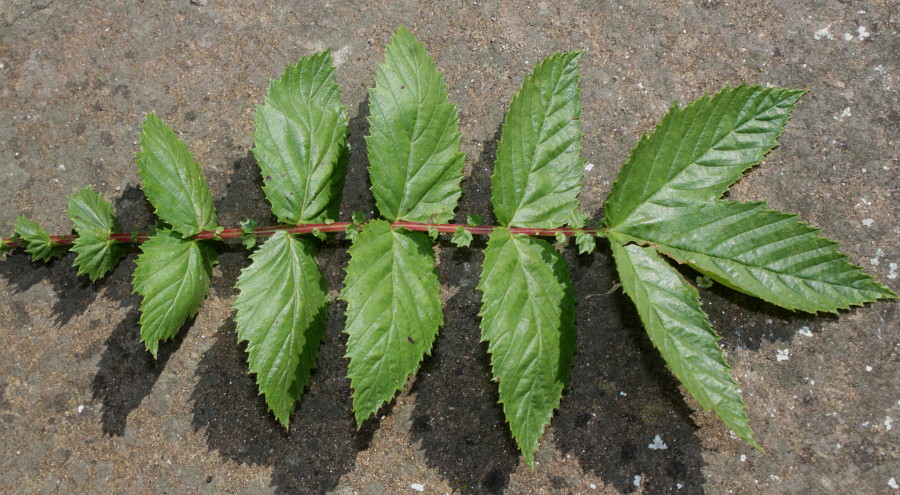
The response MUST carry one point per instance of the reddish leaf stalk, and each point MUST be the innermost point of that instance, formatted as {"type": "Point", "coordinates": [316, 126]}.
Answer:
{"type": "Point", "coordinates": [324, 228]}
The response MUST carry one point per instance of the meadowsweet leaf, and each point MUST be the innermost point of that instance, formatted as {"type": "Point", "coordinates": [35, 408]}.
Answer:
{"type": "Point", "coordinates": [172, 180]}
{"type": "Point", "coordinates": [281, 315]}
{"type": "Point", "coordinates": [36, 240]}
{"type": "Point", "coordinates": [416, 166]}
{"type": "Point", "coordinates": [585, 242]}
{"type": "Point", "coordinates": [172, 275]}
{"type": "Point", "coordinates": [528, 320]}
{"type": "Point", "coordinates": [248, 238]}
{"type": "Point", "coordinates": [393, 312]}
{"type": "Point", "coordinates": [764, 253]}
{"type": "Point", "coordinates": [94, 221]}
{"type": "Point", "coordinates": [301, 142]}
{"type": "Point", "coordinates": [698, 151]}
{"type": "Point", "coordinates": [461, 237]}
{"type": "Point", "coordinates": [537, 174]}
{"type": "Point", "coordinates": [561, 238]}
{"type": "Point", "coordinates": [669, 308]}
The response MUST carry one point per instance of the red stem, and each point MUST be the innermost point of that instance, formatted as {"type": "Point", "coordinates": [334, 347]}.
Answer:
{"type": "Point", "coordinates": [324, 227]}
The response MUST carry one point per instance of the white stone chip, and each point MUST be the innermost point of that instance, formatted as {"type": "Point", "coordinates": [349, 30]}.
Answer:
{"type": "Point", "coordinates": [658, 444]}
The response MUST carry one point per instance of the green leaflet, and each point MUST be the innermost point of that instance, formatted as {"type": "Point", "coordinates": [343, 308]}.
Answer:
{"type": "Point", "coordinates": [416, 166]}
{"type": "Point", "coordinates": [461, 238]}
{"type": "Point", "coordinates": [537, 175]}
{"type": "Point", "coordinates": [281, 314]}
{"type": "Point", "coordinates": [528, 320]}
{"type": "Point", "coordinates": [585, 242]}
{"type": "Point", "coordinates": [767, 254]}
{"type": "Point", "coordinates": [94, 221]}
{"type": "Point", "coordinates": [698, 151]}
{"type": "Point", "coordinates": [172, 180]}
{"type": "Point", "coordinates": [393, 312]}
{"type": "Point", "coordinates": [669, 308]}
{"type": "Point", "coordinates": [36, 240]}
{"type": "Point", "coordinates": [301, 142]}
{"type": "Point", "coordinates": [172, 275]}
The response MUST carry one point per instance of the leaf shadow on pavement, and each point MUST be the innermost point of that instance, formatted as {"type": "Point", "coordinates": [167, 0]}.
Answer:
{"type": "Point", "coordinates": [126, 371]}
{"type": "Point", "coordinates": [457, 416]}
{"type": "Point", "coordinates": [621, 395]}
{"type": "Point", "coordinates": [322, 443]}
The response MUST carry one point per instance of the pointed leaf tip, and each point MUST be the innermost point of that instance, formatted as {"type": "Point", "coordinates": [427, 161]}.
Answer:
{"type": "Point", "coordinates": [528, 321]}
{"type": "Point", "coordinates": [281, 309]}
{"type": "Point", "coordinates": [172, 180]}
{"type": "Point", "coordinates": [764, 253]}
{"type": "Point", "coordinates": [669, 308]}
{"type": "Point", "coordinates": [301, 141]}
{"type": "Point", "coordinates": [173, 277]}
{"type": "Point", "coordinates": [698, 151]}
{"type": "Point", "coordinates": [37, 241]}
{"type": "Point", "coordinates": [537, 174]}
{"type": "Point", "coordinates": [414, 139]}
{"type": "Point", "coordinates": [95, 222]}
{"type": "Point", "coordinates": [394, 312]}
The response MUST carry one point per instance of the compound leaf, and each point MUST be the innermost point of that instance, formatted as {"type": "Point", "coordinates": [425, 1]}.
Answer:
{"type": "Point", "coordinates": [537, 174]}
{"type": "Point", "coordinates": [301, 141]}
{"type": "Point", "coordinates": [37, 241]}
{"type": "Point", "coordinates": [94, 221]}
{"type": "Point", "coordinates": [172, 275]}
{"type": "Point", "coordinates": [669, 308]}
{"type": "Point", "coordinates": [281, 314]}
{"type": "Point", "coordinates": [528, 320]}
{"type": "Point", "coordinates": [763, 253]}
{"type": "Point", "coordinates": [393, 312]}
{"type": "Point", "coordinates": [172, 180]}
{"type": "Point", "coordinates": [416, 166]}
{"type": "Point", "coordinates": [698, 151]}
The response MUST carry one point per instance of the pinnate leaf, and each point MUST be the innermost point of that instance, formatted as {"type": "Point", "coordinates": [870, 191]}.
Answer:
{"type": "Point", "coordinates": [393, 312]}
{"type": "Point", "coordinates": [698, 151]}
{"type": "Point", "coordinates": [172, 275]}
{"type": "Point", "coordinates": [36, 240]}
{"type": "Point", "coordinates": [416, 166]}
{"type": "Point", "coordinates": [528, 320]}
{"type": "Point", "coordinates": [172, 180]}
{"type": "Point", "coordinates": [669, 308]}
{"type": "Point", "coordinates": [537, 174]}
{"type": "Point", "coordinates": [281, 315]}
{"type": "Point", "coordinates": [301, 141]}
{"type": "Point", "coordinates": [763, 253]}
{"type": "Point", "coordinates": [94, 221]}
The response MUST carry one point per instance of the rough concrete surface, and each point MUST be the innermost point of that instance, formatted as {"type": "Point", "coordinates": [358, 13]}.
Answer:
{"type": "Point", "coordinates": [84, 409]}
